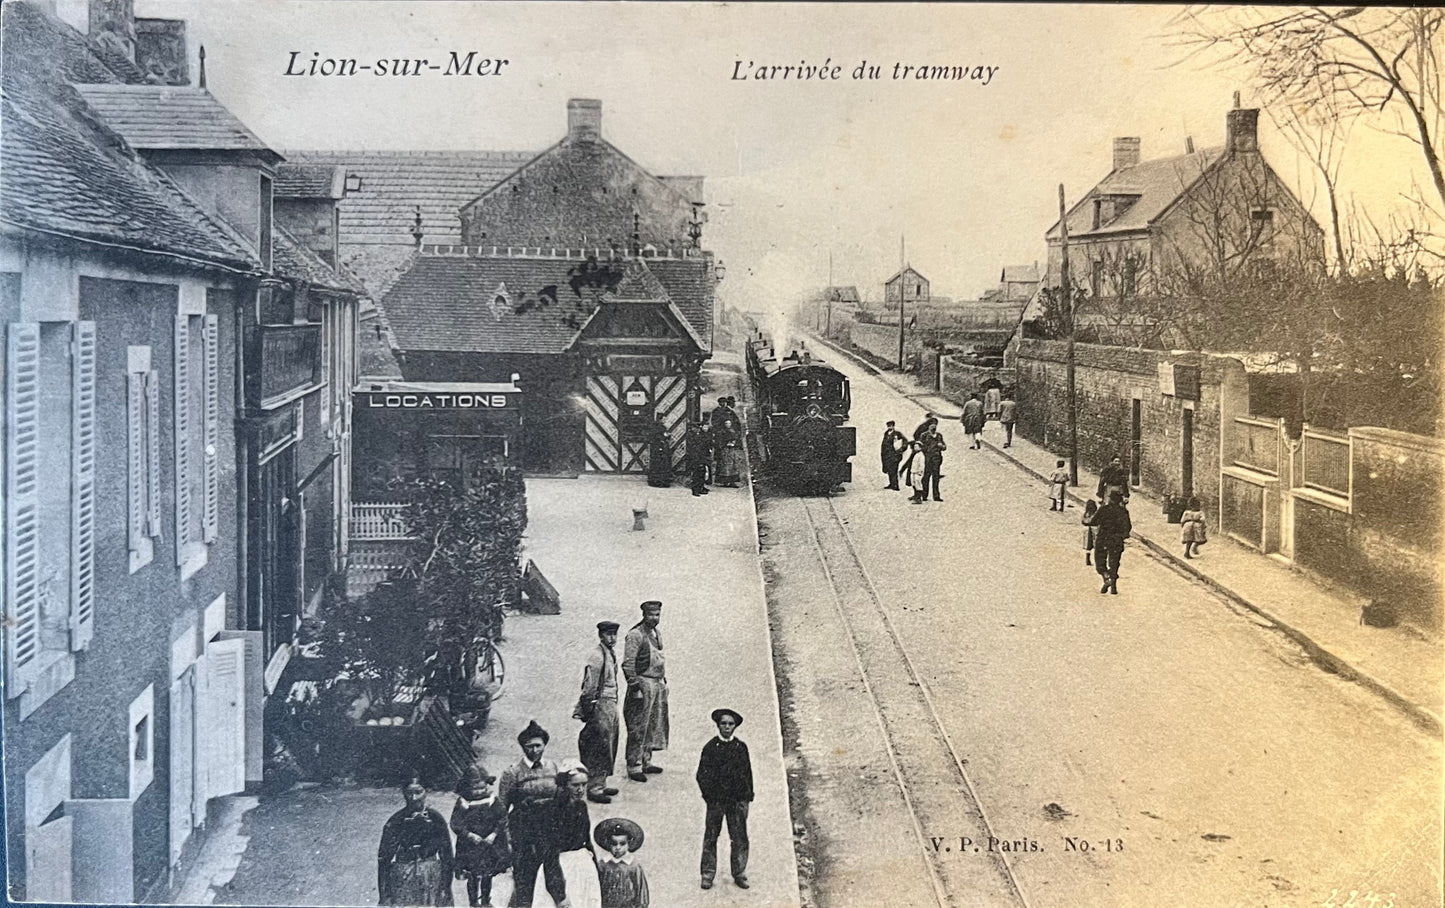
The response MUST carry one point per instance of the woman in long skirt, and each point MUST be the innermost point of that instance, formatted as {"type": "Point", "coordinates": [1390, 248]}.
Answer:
{"type": "Point", "coordinates": [572, 838]}
{"type": "Point", "coordinates": [414, 860]}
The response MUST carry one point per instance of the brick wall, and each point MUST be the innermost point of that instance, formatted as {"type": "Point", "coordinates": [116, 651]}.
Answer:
{"type": "Point", "coordinates": [1108, 381]}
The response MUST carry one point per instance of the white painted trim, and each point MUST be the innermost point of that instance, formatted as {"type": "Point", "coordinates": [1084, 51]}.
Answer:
{"type": "Point", "coordinates": [194, 556]}
{"type": "Point", "coordinates": [183, 652]}
{"type": "Point", "coordinates": [214, 620]}
{"type": "Point", "coordinates": [142, 772]}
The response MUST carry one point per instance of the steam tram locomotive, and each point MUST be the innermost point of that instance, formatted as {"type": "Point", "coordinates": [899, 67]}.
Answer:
{"type": "Point", "coordinates": [802, 405]}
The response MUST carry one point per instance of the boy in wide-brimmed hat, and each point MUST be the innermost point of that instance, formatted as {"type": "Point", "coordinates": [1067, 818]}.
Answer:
{"type": "Point", "coordinates": [725, 776]}
{"type": "Point", "coordinates": [624, 884]}
{"type": "Point", "coordinates": [480, 823]}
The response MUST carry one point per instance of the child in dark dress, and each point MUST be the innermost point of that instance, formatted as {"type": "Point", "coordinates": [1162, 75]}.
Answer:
{"type": "Point", "coordinates": [480, 823]}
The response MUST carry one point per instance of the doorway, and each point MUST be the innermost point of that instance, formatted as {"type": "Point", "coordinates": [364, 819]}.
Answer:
{"type": "Point", "coordinates": [1186, 454]}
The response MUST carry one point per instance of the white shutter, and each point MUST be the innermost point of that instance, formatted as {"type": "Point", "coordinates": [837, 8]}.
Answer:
{"type": "Point", "coordinates": [136, 454]}
{"type": "Point", "coordinates": [22, 430]}
{"type": "Point", "coordinates": [222, 737]}
{"type": "Point", "coordinates": [211, 518]}
{"type": "Point", "coordinates": [82, 488]}
{"type": "Point", "coordinates": [182, 760]}
{"type": "Point", "coordinates": [153, 452]}
{"type": "Point", "coordinates": [183, 435]}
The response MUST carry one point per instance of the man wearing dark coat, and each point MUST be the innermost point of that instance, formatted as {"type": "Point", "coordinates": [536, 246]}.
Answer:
{"type": "Point", "coordinates": [1111, 527]}
{"type": "Point", "coordinates": [414, 859]}
{"type": "Point", "coordinates": [1113, 476]}
{"type": "Point", "coordinates": [891, 453]}
{"type": "Point", "coordinates": [927, 418]}
{"type": "Point", "coordinates": [725, 777]}
{"type": "Point", "coordinates": [933, 448]}
{"type": "Point", "coordinates": [699, 452]}
{"type": "Point", "coordinates": [528, 790]}
{"type": "Point", "coordinates": [597, 708]}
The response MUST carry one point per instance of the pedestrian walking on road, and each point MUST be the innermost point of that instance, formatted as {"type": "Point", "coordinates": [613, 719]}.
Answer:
{"type": "Point", "coordinates": [414, 860]}
{"type": "Point", "coordinates": [972, 419]}
{"type": "Point", "coordinates": [1114, 477]}
{"type": "Point", "coordinates": [699, 451]}
{"type": "Point", "coordinates": [728, 437]}
{"type": "Point", "coordinates": [725, 776]}
{"type": "Point", "coordinates": [597, 708]}
{"type": "Point", "coordinates": [933, 448]}
{"type": "Point", "coordinates": [528, 790]}
{"type": "Point", "coordinates": [1007, 414]}
{"type": "Point", "coordinates": [480, 823]}
{"type": "Point", "coordinates": [659, 455]}
{"type": "Point", "coordinates": [891, 453]}
{"type": "Point", "coordinates": [624, 884]}
{"type": "Point", "coordinates": [645, 711]}
{"type": "Point", "coordinates": [1058, 482]}
{"type": "Point", "coordinates": [1091, 510]}
{"type": "Point", "coordinates": [927, 418]}
{"type": "Point", "coordinates": [1111, 527]}
{"type": "Point", "coordinates": [570, 839]}
{"type": "Point", "coordinates": [1192, 529]}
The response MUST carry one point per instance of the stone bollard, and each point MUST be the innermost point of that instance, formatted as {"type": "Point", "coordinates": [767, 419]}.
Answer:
{"type": "Point", "coordinates": [639, 514]}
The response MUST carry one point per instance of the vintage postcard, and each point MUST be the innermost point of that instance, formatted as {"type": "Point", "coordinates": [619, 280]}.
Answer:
{"type": "Point", "coordinates": [691, 454]}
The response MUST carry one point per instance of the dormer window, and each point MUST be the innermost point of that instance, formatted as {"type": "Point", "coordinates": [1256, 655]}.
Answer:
{"type": "Point", "coordinates": [1261, 227]}
{"type": "Point", "coordinates": [267, 206]}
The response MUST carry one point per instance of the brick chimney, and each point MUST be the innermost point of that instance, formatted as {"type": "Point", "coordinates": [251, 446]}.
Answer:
{"type": "Point", "coordinates": [1126, 152]}
{"type": "Point", "coordinates": [160, 51]}
{"type": "Point", "coordinates": [1241, 129]}
{"type": "Point", "coordinates": [584, 120]}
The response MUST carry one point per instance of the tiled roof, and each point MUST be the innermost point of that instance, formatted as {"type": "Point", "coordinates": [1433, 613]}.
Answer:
{"type": "Point", "coordinates": [40, 46]}
{"type": "Point", "coordinates": [292, 260]}
{"type": "Point", "coordinates": [309, 181]}
{"type": "Point", "coordinates": [394, 183]}
{"type": "Point", "coordinates": [451, 302]}
{"type": "Point", "coordinates": [61, 172]}
{"type": "Point", "coordinates": [158, 117]}
{"type": "Point", "coordinates": [1156, 184]}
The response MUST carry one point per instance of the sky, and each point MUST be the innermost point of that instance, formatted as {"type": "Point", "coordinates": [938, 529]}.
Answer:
{"type": "Point", "coordinates": [959, 177]}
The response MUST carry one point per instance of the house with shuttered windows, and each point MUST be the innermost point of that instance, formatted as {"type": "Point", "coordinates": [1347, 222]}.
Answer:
{"type": "Point", "coordinates": [153, 306]}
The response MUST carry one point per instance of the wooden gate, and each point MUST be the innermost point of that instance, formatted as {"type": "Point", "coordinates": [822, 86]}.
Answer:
{"type": "Point", "coordinates": [606, 450]}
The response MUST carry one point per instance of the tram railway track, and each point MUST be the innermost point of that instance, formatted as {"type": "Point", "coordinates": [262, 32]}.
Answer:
{"type": "Point", "coordinates": [931, 775]}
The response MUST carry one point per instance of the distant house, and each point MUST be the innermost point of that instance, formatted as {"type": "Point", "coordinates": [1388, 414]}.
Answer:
{"type": "Point", "coordinates": [907, 285]}
{"type": "Point", "coordinates": [1216, 211]}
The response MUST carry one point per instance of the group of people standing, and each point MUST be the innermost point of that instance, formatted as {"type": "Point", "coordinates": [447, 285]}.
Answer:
{"type": "Point", "coordinates": [919, 461]}
{"type": "Point", "coordinates": [537, 822]}
{"type": "Point", "coordinates": [715, 448]}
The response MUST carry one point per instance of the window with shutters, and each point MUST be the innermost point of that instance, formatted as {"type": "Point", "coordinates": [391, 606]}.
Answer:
{"type": "Point", "coordinates": [49, 504]}
{"type": "Point", "coordinates": [197, 437]}
{"type": "Point", "coordinates": [143, 449]}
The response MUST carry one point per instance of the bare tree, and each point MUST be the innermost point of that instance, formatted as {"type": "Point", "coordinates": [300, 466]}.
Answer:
{"type": "Point", "coordinates": [1321, 133]}
{"type": "Point", "coordinates": [1361, 59]}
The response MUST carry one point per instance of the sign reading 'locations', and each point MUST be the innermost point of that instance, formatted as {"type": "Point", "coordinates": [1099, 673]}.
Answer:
{"type": "Point", "coordinates": [438, 401]}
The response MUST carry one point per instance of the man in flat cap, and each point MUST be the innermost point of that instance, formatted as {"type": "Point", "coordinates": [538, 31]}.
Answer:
{"type": "Point", "coordinates": [528, 790]}
{"type": "Point", "coordinates": [645, 711]}
{"type": "Point", "coordinates": [597, 708]}
{"type": "Point", "coordinates": [725, 776]}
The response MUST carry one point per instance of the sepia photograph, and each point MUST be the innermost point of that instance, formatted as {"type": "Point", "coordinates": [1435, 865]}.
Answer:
{"type": "Point", "coordinates": [722, 454]}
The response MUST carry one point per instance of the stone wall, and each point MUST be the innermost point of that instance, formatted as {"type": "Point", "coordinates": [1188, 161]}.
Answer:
{"type": "Point", "coordinates": [957, 379]}
{"type": "Point", "coordinates": [1397, 533]}
{"type": "Point", "coordinates": [1109, 380]}
{"type": "Point", "coordinates": [881, 342]}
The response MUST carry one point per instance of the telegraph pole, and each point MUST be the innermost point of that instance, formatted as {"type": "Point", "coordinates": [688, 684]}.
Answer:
{"type": "Point", "coordinates": [1066, 284]}
{"type": "Point", "coordinates": [828, 324]}
{"type": "Point", "coordinates": [902, 264]}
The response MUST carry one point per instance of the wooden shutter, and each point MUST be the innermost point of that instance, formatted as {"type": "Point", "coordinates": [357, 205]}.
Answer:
{"type": "Point", "coordinates": [22, 430]}
{"type": "Point", "coordinates": [182, 760]}
{"type": "Point", "coordinates": [221, 739]}
{"type": "Point", "coordinates": [211, 519]}
{"type": "Point", "coordinates": [136, 455]}
{"type": "Point", "coordinates": [183, 435]}
{"type": "Point", "coordinates": [82, 487]}
{"type": "Point", "coordinates": [153, 452]}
